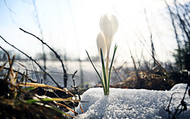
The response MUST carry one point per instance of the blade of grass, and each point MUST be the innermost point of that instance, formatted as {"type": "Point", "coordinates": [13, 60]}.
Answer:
{"type": "Point", "coordinates": [11, 71]}
{"type": "Point", "coordinates": [29, 88]}
{"type": "Point", "coordinates": [30, 101]}
{"type": "Point", "coordinates": [2, 67]}
{"type": "Point", "coordinates": [59, 99]}
{"type": "Point", "coordinates": [81, 109]}
{"type": "Point", "coordinates": [67, 108]}
{"type": "Point", "coordinates": [9, 61]}
{"type": "Point", "coordinates": [43, 85]}
{"type": "Point", "coordinates": [15, 78]}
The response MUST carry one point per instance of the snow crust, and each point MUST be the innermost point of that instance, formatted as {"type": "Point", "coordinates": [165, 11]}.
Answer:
{"type": "Point", "coordinates": [131, 103]}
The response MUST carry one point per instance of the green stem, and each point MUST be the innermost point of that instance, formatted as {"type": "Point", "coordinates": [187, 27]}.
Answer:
{"type": "Point", "coordinates": [107, 68]}
{"type": "Point", "coordinates": [104, 74]}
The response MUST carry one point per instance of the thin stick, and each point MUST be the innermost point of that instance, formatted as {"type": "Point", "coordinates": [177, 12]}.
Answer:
{"type": "Point", "coordinates": [57, 56]}
{"type": "Point", "coordinates": [33, 61]}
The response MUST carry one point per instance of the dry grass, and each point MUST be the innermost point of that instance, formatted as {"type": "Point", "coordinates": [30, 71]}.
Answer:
{"type": "Point", "coordinates": [18, 97]}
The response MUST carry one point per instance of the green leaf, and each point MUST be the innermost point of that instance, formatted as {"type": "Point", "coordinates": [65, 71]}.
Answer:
{"type": "Point", "coordinates": [31, 101]}
{"type": "Point", "coordinates": [28, 88]}
{"type": "Point", "coordinates": [115, 48]}
{"type": "Point", "coordinates": [95, 68]}
{"type": "Point", "coordinates": [104, 73]}
{"type": "Point", "coordinates": [93, 65]}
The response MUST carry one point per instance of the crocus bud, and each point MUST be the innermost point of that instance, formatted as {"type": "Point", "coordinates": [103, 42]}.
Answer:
{"type": "Point", "coordinates": [101, 44]}
{"type": "Point", "coordinates": [108, 26]}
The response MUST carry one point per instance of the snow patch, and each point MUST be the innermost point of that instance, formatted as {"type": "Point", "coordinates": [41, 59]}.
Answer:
{"type": "Point", "coordinates": [179, 87]}
{"type": "Point", "coordinates": [131, 103]}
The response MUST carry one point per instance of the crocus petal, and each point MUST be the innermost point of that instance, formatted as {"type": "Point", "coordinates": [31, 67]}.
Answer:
{"type": "Point", "coordinates": [108, 26]}
{"type": "Point", "coordinates": [101, 44]}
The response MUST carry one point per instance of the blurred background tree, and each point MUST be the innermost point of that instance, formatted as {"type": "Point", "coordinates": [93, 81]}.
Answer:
{"type": "Point", "coordinates": [180, 16]}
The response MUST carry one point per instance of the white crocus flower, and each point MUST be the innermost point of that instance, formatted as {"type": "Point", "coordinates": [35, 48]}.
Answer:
{"type": "Point", "coordinates": [101, 44]}
{"type": "Point", "coordinates": [108, 26]}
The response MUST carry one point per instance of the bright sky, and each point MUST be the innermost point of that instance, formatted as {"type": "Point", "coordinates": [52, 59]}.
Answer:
{"type": "Point", "coordinates": [71, 26]}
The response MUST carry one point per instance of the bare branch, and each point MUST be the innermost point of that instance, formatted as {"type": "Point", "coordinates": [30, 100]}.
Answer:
{"type": "Point", "coordinates": [57, 56]}
{"type": "Point", "coordinates": [32, 60]}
